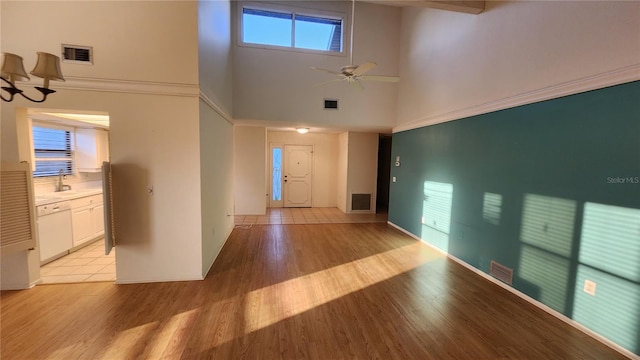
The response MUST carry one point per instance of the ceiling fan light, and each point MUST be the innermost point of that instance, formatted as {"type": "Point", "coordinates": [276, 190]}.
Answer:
{"type": "Point", "coordinates": [302, 130]}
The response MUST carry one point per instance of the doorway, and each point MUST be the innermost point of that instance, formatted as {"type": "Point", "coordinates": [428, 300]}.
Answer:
{"type": "Point", "coordinates": [384, 172]}
{"type": "Point", "coordinates": [291, 175]}
{"type": "Point", "coordinates": [68, 192]}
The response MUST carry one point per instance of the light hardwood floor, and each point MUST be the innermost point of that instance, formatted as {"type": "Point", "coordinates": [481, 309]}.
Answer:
{"type": "Point", "coordinates": [336, 291]}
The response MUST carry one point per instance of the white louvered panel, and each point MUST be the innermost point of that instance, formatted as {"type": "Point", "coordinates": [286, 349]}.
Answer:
{"type": "Point", "coordinates": [17, 218]}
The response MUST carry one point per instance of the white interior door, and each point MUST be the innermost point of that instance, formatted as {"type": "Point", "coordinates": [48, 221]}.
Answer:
{"type": "Point", "coordinates": [298, 160]}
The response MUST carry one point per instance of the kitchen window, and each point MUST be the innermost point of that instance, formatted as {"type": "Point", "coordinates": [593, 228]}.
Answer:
{"type": "Point", "coordinates": [53, 150]}
{"type": "Point", "coordinates": [290, 29]}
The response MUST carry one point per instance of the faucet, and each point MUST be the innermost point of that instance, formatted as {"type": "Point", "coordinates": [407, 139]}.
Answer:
{"type": "Point", "coordinates": [60, 186]}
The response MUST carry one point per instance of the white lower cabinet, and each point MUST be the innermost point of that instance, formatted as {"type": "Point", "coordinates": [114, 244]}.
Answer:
{"type": "Point", "coordinates": [87, 218]}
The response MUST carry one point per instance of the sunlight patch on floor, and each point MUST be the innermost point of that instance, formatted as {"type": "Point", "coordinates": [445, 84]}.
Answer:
{"type": "Point", "coordinates": [269, 305]}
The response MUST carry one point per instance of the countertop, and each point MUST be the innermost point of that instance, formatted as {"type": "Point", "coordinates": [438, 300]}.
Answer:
{"type": "Point", "coordinates": [49, 198]}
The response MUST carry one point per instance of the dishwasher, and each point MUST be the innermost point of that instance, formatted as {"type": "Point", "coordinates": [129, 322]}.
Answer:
{"type": "Point", "coordinates": [54, 230]}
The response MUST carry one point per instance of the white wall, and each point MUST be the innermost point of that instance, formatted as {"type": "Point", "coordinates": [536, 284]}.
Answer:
{"type": "Point", "coordinates": [325, 159]}
{"type": "Point", "coordinates": [216, 130]}
{"type": "Point", "coordinates": [277, 85]}
{"type": "Point", "coordinates": [154, 132]}
{"type": "Point", "coordinates": [362, 172]}
{"type": "Point", "coordinates": [214, 52]}
{"type": "Point", "coordinates": [342, 171]}
{"type": "Point", "coordinates": [152, 41]}
{"type": "Point", "coordinates": [250, 158]}
{"type": "Point", "coordinates": [216, 173]}
{"type": "Point", "coordinates": [451, 61]}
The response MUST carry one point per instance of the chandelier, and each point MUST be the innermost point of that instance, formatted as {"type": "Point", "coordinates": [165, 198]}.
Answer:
{"type": "Point", "coordinates": [47, 67]}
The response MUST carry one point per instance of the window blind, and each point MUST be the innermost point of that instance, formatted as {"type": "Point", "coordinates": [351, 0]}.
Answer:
{"type": "Point", "coordinates": [53, 151]}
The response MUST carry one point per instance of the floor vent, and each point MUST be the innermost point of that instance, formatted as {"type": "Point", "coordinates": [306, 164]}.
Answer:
{"type": "Point", "coordinates": [77, 54]}
{"type": "Point", "coordinates": [501, 272]}
{"type": "Point", "coordinates": [360, 201]}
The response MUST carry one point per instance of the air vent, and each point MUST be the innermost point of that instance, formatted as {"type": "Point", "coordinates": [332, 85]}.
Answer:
{"type": "Point", "coordinates": [501, 272]}
{"type": "Point", "coordinates": [331, 104]}
{"type": "Point", "coordinates": [360, 201]}
{"type": "Point", "coordinates": [77, 54]}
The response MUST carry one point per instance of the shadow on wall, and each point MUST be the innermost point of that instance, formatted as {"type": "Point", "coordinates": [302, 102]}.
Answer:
{"type": "Point", "coordinates": [582, 260]}
{"type": "Point", "coordinates": [132, 213]}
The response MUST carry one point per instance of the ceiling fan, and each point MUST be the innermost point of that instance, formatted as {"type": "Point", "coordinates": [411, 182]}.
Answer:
{"type": "Point", "coordinates": [353, 74]}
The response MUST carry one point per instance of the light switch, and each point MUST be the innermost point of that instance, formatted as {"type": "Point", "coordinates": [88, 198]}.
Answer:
{"type": "Point", "coordinates": [393, 179]}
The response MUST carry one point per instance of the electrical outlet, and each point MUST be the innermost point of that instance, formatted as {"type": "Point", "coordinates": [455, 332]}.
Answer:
{"type": "Point", "coordinates": [422, 220]}
{"type": "Point", "coordinates": [393, 179]}
{"type": "Point", "coordinates": [590, 287]}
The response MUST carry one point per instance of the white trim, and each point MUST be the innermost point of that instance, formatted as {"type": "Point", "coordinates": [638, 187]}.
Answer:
{"type": "Point", "coordinates": [593, 82]}
{"type": "Point", "coordinates": [528, 299]}
{"type": "Point", "coordinates": [215, 107]}
{"type": "Point", "coordinates": [122, 86]}
{"type": "Point", "coordinates": [148, 281]}
{"type": "Point", "coordinates": [19, 286]}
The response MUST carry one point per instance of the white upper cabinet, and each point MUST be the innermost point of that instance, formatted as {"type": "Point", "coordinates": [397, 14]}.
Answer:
{"type": "Point", "coordinates": [92, 148]}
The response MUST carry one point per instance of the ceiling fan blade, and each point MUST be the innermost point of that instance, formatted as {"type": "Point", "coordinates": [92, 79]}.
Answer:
{"type": "Point", "coordinates": [380, 78]}
{"type": "Point", "coordinates": [326, 70]}
{"type": "Point", "coordinates": [328, 82]}
{"type": "Point", "coordinates": [363, 68]}
{"type": "Point", "coordinates": [357, 84]}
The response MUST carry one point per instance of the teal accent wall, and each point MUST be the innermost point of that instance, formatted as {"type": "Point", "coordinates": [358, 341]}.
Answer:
{"type": "Point", "coordinates": [550, 189]}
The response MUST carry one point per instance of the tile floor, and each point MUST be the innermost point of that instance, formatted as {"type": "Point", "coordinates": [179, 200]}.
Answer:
{"type": "Point", "coordinates": [307, 216]}
{"type": "Point", "coordinates": [90, 264]}
{"type": "Point", "coordinates": [85, 265]}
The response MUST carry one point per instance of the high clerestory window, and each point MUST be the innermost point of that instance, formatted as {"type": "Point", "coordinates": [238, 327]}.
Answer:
{"type": "Point", "coordinates": [290, 29]}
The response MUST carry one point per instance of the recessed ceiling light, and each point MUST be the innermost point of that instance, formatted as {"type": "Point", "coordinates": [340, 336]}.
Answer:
{"type": "Point", "coordinates": [302, 130]}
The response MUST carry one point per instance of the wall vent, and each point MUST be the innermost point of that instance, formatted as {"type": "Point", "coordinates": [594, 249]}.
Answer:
{"type": "Point", "coordinates": [77, 54]}
{"type": "Point", "coordinates": [501, 272]}
{"type": "Point", "coordinates": [360, 201]}
{"type": "Point", "coordinates": [331, 104]}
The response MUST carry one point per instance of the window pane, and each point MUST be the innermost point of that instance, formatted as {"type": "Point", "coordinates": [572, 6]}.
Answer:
{"type": "Point", "coordinates": [277, 174]}
{"type": "Point", "coordinates": [266, 27]}
{"type": "Point", "coordinates": [318, 33]}
{"type": "Point", "coordinates": [52, 150]}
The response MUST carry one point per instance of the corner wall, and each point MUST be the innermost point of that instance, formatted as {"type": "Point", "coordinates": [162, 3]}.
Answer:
{"type": "Point", "coordinates": [250, 159]}
{"type": "Point", "coordinates": [216, 173]}
{"type": "Point", "coordinates": [549, 190]}
{"type": "Point", "coordinates": [362, 170]}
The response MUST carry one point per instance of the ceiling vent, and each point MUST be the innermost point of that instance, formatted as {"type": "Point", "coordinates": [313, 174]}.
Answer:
{"type": "Point", "coordinates": [77, 54]}
{"type": "Point", "coordinates": [331, 104]}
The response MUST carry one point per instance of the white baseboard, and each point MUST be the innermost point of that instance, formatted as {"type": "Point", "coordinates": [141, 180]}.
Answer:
{"type": "Point", "coordinates": [19, 286]}
{"type": "Point", "coordinates": [155, 280]}
{"type": "Point", "coordinates": [219, 250]}
{"type": "Point", "coordinates": [525, 297]}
